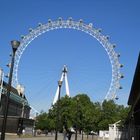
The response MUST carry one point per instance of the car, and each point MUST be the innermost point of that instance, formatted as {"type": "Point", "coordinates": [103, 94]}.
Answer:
{"type": "Point", "coordinates": [72, 130]}
{"type": "Point", "coordinates": [93, 133]}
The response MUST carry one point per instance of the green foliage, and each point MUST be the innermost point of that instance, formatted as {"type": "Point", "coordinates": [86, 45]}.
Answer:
{"type": "Point", "coordinates": [79, 112]}
{"type": "Point", "coordinates": [42, 121]}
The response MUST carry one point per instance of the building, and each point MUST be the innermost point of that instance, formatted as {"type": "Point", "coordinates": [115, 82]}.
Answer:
{"type": "Point", "coordinates": [18, 111]}
{"type": "Point", "coordinates": [114, 131]}
{"type": "Point", "coordinates": [134, 102]}
{"type": "Point", "coordinates": [132, 125]}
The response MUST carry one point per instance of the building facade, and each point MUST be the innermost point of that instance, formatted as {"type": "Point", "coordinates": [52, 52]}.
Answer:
{"type": "Point", "coordinates": [18, 111]}
{"type": "Point", "coordinates": [132, 125]}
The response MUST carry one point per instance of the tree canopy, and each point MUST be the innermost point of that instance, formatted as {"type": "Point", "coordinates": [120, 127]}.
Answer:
{"type": "Point", "coordinates": [81, 113]}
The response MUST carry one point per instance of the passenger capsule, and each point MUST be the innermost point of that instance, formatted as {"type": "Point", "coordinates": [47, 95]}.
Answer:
{"type": "Point", "coordinates": [39, 24]}
{"type": "Point", "coordinates": [60, 19]}
{"type": "Point", "coordinates": [90, 25]}
{"type": "Point", "coordinates": [122, 76]}
{"type": "Point", "coordinates": [22, 36]}
{"type": "Point", "coordinates": [30, 29]}
{"type": "Point", "coordinates": [120, 87]}
{"type": "Point", "coordinates": [99, 30]}
{"type": "Point", "coordinates": [121, 65]}
{"type": "Point", "coordinates": [114, 45]}
{"type": "Point", "coordinates": [107, 37]}
{"type": "Point", "coordinates": [118, 55]}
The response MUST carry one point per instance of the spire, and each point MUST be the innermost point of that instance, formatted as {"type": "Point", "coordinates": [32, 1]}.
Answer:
{"type": "Point", "coordinates": [63, 77]}
{"type": "Point", "coordinates": [64, 69]}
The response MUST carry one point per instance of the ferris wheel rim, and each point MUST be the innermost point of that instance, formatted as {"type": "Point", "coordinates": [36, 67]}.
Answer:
{"type": "Point", "coordinates": [76, 25]}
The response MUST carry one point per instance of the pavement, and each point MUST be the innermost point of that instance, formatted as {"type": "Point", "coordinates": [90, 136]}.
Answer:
{"type": "Point", "coordinates": [49, 137]}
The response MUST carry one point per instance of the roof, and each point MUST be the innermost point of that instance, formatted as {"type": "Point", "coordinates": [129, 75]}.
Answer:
{"type": "Point", "coordinates": [135, 88]}
{"type": "Point", "coordinates": [14, 95]}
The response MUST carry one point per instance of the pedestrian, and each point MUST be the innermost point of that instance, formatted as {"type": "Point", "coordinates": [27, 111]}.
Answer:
{"type": "Point", "coordinates": [19, 131]}
{"type": "Point", "coordinates": [46, 132]}
{"type": "Point", "coordinates": [69, 134]}
{"type": "Point", "coordinates": [65, 134]}
{"type": "Point", "coordinates": [23, 132]}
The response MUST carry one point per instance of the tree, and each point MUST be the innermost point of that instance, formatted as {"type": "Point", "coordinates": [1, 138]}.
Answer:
{"type": "Point", "coordinates": [42, 121]}
{"type": "Point", "coordinates": [84, 113]}
{"type": "Point", "coordinates": [80, 112]}
{"type": "Point", "coordinates": [108, 114]}
{"type": "Point", "coordinates": [66, 112]}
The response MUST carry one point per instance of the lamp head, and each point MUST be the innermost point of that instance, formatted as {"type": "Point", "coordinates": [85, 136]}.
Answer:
{"type": "Point", "coordinates": [59, 83]}
{"type": "Point", "coordinates": [15, 44]}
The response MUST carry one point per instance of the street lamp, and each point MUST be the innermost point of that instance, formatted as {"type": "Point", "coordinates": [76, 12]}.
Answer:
{"type": "Point", "coordinates": [77, 99]}
{"type": "Point", "coordinates": [15, 44]}
{"type": "Point", "coordinates": [58, 106]}
{"type": "Point", "coordinates": [1, 82]}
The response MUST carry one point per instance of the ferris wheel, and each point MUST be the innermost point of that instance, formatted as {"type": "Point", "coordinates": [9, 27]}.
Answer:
{"type": "Point", "coordinates": [76, 25]}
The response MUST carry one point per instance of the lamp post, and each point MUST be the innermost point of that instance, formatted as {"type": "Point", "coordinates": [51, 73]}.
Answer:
{"type": "Point", "coordinates": [15, 44]}
{"type": "Point", "coordinates": [58, 106]}
{"type": "Point", "coordinates": [1, 82]}
{"type": "Point", "coordinates": [77, 99]}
